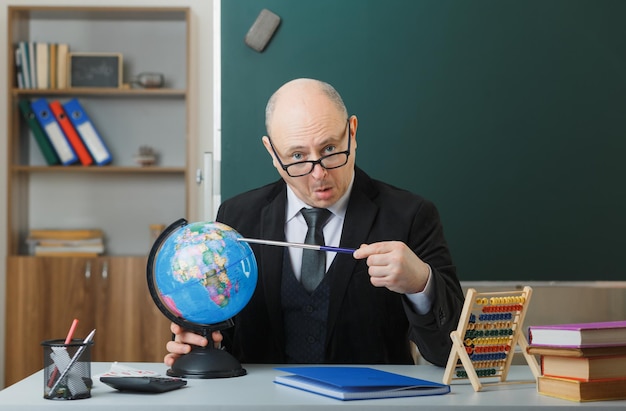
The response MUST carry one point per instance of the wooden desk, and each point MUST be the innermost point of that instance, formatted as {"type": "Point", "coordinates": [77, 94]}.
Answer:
{"type": "Point", "coordinates": [256, 391]}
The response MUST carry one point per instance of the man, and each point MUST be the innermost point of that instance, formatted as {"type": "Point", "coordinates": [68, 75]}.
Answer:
{"type": "Point", "coordinates": [399, 285]}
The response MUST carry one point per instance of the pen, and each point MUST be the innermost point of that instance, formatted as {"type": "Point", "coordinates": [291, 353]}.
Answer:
{"type": "Point", "coordinates": [68, 340]}
{"type": "Point", "coordinates": [298, 245]}
{"type": "Point", "coordinates": [75, 358]}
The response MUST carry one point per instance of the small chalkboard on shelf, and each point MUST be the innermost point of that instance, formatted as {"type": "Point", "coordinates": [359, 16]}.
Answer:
{"type": "Point", "coordinates": [95, 70]}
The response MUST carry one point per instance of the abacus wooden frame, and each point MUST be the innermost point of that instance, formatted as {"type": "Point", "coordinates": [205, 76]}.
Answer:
{"type": "Point", "coordinates": [517, 338]}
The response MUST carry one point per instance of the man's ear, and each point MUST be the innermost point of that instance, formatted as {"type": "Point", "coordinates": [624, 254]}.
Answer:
{"type": "Point", "coordinates": [268, 147]}
{"type": "Point", "coordinates": [354, 123]}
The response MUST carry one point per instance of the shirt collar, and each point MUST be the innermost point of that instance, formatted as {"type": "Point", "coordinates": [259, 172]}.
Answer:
{"type": "Point", "coordinates": [294, 204]}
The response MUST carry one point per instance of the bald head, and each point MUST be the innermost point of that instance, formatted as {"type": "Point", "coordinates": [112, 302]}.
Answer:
{"type": "Point", "coordinates": [297, 96]}
{"type": "Point", "coordinates": [306, 121]}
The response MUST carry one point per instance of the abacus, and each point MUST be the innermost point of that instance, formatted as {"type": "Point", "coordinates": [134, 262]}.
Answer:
{"type": "Point", "coordinates": [489, 330]}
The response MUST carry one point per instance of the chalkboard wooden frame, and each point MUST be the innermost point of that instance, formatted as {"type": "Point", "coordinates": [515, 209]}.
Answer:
{"type": "Point", "coordinates": [94, 70]}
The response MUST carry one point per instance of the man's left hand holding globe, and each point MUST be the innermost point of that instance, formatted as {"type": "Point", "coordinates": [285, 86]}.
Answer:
{"type": "Point", "coordinates": [183, 341]}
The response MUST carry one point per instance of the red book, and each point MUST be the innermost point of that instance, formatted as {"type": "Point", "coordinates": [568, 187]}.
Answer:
{"type": "Point", "coordinates": [71, 134]}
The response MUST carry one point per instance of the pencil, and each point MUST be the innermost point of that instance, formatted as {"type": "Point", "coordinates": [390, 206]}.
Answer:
{"type": "Point", "coordinates": [298, 245]}
{"type": "Point", "coordinates": [68, 340]}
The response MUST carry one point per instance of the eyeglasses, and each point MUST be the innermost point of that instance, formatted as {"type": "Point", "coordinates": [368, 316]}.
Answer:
{"type": "Point", "coordinates": [302, 168]}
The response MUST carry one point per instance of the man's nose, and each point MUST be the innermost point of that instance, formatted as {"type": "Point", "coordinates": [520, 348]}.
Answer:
{"type": "Point", "coordinates": [318, 171]}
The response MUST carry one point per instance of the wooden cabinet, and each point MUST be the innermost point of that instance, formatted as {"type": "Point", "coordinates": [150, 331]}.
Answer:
{"type": "Point", "coordinates": [132, 326]}
{"type": "Point", "coordinates": [109, 294]}
{"type": "Point", "coordinates": [123, 198]}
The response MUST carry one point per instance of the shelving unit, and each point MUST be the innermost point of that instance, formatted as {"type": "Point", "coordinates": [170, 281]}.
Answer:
{"type": "Point", "coordinates": [123, 199]}
{"type": "Point", "coordinates": [149, 39]}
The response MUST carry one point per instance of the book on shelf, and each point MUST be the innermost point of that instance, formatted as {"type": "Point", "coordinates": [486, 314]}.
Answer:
{"type": "Point", "coordinates": [65, 234]}
{"type": "Point", "coordinates": [68, 254]}
{"type": "Point", "coordinates": [32, 64]}
{"type": "Point", "coordinates": [19, 68]}
{"type": "Point", "coordinates": [84, 250]}
{"type": "Point", "coordinates": [90, 136]}
{"type": "Point", "coordinates": [61, 242]}
{"type": "Point", "coordinates": [62, 52]}
{"type": "Point", "coordinates": [59, 141]}
{"type": "Point", "coordinates": [584, 368]}
{"type": "Point", "coordinates": [52, 65]}
{"type": "Point", "coordinates": [357, 383]}
{"type": "Point", "coordinates": [70, 133]}
{"type": "Point", "coordinates": [79, 242]}
{"type": "Point", "coordinates": [42, 65]}
{"type": "Point", "coordinates": [579, 335]}
{"type": "Point", "coordinates": [45, 146]}
{"type": "Point", "coordinates": [575, 390]}
{"type": "Point", "coordinates": [25, 62]}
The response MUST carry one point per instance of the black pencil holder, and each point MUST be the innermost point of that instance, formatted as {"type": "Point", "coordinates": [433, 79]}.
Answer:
{"type": "Point", "coordinates": [66, 369]}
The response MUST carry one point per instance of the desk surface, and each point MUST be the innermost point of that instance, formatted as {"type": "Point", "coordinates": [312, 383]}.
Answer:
{"type": "Point", "coordinates": [256, 391]}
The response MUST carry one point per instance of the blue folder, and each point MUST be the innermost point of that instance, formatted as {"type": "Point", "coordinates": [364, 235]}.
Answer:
{"type": "Point", "coordinates": [88, 133]}
{"type": "Point", "coordinates": [54, 132]}
{"type": "Point", "coordinates": [357, 383]}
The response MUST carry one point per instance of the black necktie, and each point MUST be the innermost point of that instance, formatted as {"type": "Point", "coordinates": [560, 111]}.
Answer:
{"type": "Point", "coordinates": [313, 261]}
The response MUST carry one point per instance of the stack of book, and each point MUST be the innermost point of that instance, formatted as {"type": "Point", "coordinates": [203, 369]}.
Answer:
{"type": "Point", "coordinates": [581, 362]}
{"type": "Point", "coordinates": [67, 243]}
{"type": "Point", "coordinates": [41, 65]}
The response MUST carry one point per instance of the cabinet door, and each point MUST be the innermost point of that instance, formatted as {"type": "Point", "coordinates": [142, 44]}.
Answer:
{"type": "Point", "coordinates": [44, 295]}
{"type": "Point", "coordinates": [130, 326]}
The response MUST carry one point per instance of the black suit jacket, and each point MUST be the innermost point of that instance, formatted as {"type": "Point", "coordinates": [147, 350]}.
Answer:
{"type": "Point", "coordinates": [366, 324]}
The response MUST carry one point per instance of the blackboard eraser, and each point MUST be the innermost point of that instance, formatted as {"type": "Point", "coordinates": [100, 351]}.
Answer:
{"type": "Point", "coordinates": [262, 30]}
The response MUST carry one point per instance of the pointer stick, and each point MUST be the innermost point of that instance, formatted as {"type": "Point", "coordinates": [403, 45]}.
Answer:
{"type": "Point", "coordinates": [298, 245]}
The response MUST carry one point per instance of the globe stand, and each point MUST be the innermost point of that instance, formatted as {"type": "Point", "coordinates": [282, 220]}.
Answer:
{"type": "Point", "coordinates": [206, 362]}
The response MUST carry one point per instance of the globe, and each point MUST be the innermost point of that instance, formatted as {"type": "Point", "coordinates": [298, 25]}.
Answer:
{"type": "Point", "coordinates": [200, 277]}
{"type": "Point", "coordinates": [203, 274]}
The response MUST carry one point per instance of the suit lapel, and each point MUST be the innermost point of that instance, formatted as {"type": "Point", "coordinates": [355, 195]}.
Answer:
{"type": "Point", "coordinates": [359, 219]}
{"type": "Point", "coordinates": [271, 258]}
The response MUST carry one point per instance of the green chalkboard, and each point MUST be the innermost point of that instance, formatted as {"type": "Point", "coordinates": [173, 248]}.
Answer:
{"type": "Point", "coordinates": [509, 115]}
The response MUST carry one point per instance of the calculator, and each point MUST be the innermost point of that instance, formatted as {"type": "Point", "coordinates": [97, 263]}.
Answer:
{"type": "Point", "coordinates": [144, 384]}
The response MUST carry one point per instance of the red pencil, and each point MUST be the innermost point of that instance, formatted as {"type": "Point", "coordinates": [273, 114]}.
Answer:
{"type": "Point", "coordinates": [68, 340]}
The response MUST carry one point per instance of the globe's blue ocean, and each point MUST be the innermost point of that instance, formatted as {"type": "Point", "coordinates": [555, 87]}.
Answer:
{"type": "Point", "coordinates": [203, 274]}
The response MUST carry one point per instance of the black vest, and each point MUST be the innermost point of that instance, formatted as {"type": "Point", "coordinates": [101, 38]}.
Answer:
{"type": "Point", "coordinates": [305, 317]}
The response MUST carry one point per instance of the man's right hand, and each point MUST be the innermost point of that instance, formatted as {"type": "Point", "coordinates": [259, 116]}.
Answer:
{"type": "Point", "coordinates": [183, 341]}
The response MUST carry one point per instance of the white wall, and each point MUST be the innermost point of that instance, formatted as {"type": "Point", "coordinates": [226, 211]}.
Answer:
{"type": "Point", "coordinates": [202, 128]}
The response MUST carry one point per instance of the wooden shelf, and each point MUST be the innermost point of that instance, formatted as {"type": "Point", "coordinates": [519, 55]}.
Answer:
{"type": "Point", "coordinates": [101, 12]}
{"type": "Point", "coordinates": [92, 91]}
{"type": "Point", "coordinates": [96, 169]}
